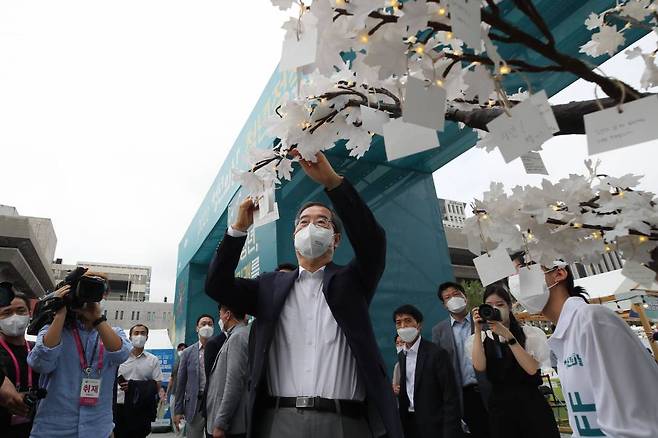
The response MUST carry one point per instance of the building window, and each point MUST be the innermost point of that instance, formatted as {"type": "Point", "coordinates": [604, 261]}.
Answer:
{"type": "Point", "coordinates": [116, 315]}
{"type": "Point", "coordinates": [121, 316]}
{"type": "Point", "coordinates": [138, 315]}
{"type": "Point", "coordinates": [132, 316]}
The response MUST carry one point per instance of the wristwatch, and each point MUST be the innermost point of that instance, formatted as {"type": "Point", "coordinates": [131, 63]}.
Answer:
{"type": "Point", "coordinates": [511, 341]}
{"type": "Point", "coordinates": [98, 321]}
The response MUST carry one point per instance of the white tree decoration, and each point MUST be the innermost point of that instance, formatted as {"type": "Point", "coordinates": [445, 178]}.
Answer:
{"type": "Point", "coordinates": [576, 219]}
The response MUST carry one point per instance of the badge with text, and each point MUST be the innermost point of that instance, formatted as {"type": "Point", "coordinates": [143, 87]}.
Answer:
{"type": "Point", "coordinates": [90, 390]}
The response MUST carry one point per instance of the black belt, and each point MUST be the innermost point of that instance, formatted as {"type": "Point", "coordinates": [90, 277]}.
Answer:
{"type": "Point", "coordinates": [349, 408]}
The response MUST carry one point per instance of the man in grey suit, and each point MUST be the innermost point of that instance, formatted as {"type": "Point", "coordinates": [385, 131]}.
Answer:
{"type": "Point", "coordinates": [191, 381]}
{"type": "Point", "coordinates": [452, 334]}
{"type": "Point", "coordinates": [226, 399]}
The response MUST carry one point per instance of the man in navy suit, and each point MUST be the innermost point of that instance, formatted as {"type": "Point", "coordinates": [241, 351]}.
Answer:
{"type": "Point", "coordinates": [316, 369]}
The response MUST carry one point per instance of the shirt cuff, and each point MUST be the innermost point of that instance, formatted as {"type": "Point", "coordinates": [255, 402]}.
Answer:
{"type": "Point", "coordinates": [235, 233]}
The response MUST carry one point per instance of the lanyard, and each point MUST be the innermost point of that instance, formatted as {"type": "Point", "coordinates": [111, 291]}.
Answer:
{"type": "Point", "coordinates": [86, 367]}
{"type": "Point", "coordinates": [16, 367]}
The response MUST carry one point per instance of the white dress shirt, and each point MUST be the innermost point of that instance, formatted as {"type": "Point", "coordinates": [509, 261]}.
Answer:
{"type": "Point", "coordinates": [309, 355]}
{"type": "Point", "coordinates": [412, 356]}
{"type": "Point", "coordinates": [143, 367]}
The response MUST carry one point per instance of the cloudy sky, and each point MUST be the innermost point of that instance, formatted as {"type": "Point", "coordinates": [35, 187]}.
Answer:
{"type": "Point", "coordinates": [115, 117]}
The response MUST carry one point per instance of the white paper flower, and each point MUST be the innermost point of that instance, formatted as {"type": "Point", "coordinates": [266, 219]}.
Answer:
{"type": "Point", "coordinates": [593, 21]}
{"type": "Point", "coordinates": [606, 41]}
{"type": "Point", "coordinates": [636, 9]}
{"type": "Point", "coordinates": [282, 4]}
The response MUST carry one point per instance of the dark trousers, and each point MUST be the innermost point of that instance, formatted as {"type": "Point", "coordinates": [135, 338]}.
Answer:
{"type": "Point", "coordinates": [126, 425]}
{"type": "Point", "coordinates": [521, 412]}
{"type": "Point", "coordinates": [409, 425]}
{"type": "Point", "coordinates": [475, 416]}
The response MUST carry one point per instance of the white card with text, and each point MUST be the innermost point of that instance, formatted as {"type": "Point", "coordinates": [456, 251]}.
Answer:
{"type": "Point", "coordinates": [465, 21]}
{"type": "Point", "coordinates": [609, 129]}
{"type": "Point", "coordinates": [373, 119]}
{"type": "Point", "coordinates": [494, 265]}
{"type": "Point", "coordinates": [533, 164]}
{"type": "Point", "coordinates": [402, 139]}
{"type": "Point", "coordinates": [525, 131]}
{"type": "Point", "coordinates": [424, 104]}
{"type": "Point", "coordinates": [540, 100]}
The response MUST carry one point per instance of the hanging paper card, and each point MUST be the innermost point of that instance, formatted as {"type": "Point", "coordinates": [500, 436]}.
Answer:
{"type": "Point", "coordinates": [424, 104]}
{"type": "Point", "coordinates": [639, 273]}
{"type": "Point", "coordinates": [402, 139]}
{"type": "Point", "coordinates": [300, 52]}
{"type": "Point", "coordinates": [609, 129]}
{"type": "Point", "coordinates": [373, 119]}
{"type": "Point", "coordinates": [268, 210]}
{"type": "Point", "coordinates": [524, 131]}
{"type": "Point", "coordinates": [533, 164]}
{"type": "Point", "coordinates": [465, 20]}
{"type": "Point", "coordinates": [493, 266]}
{"type": "Point", "coordinates": [540, 100]}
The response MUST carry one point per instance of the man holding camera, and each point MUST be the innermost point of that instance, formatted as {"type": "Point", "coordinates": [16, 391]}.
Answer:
{"type": "Point", "coordinates": [14, 317]}
{"type": "Point", "coordinates": [77, 355]}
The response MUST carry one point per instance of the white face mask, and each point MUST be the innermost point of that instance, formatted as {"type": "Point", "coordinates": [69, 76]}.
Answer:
{"type": "Point", "coordinates": [206, 331]}
{"type": "Point", "coordinates": [313, 241]}
{"type": "Point", "coordinates": [399, 349]}
{"type": "Point", "coordinates": [534, 294]}
{"type": "Point", "coordinates": [456, 304]}
{"type": "Point", "coordinates": [138, 341]}
{"type": "Point", "coordinates": [221, 325]}
{"type": "Point", "coordinates": [408, 334]}
{"type": "Point", "coordinates": [14, 325]}
{"type": "Point", "coordinates": [180, 353]}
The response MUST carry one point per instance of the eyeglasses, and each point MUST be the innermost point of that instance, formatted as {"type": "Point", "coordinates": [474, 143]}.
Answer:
{"type": "Point", "coordinates": [320, 222]}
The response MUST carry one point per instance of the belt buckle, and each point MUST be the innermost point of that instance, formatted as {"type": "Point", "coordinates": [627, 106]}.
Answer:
{"type": "Point", "coordinates": [304, 402]}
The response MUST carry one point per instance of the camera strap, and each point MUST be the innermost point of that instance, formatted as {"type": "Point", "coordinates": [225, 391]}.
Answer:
{"type": "Point", "coordinates": [17, 368]}
{"type": "Point", "coordinates": [86, 367]}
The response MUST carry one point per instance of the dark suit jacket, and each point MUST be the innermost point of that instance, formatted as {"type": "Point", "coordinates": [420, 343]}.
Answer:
{"type": "Point", "coordinates": [348, 290]}
{"type": "Point", "coordinates": [443, 337]}
{"type": "Point", "coordinates": [436, 405]}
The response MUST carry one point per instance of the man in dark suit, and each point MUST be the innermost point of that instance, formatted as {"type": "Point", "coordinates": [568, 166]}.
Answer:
{"type": "Point", "coordinates": [316, 369]}
{"type": "Point", "coordinates": [428, 403]}
{"type": "Point", "coordinates": [452, 334]}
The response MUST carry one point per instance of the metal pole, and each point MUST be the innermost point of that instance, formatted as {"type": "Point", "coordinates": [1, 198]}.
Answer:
{"type": "Point", "coordinates": [647, 328]}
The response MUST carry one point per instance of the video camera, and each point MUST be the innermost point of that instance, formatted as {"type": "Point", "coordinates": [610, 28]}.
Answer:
{"type": "Point", "coordinates": [489, 313]}
{"type": "Point", "coordinates": [83, 290]}
{"type": "Point", "coordinates": [32, 397]}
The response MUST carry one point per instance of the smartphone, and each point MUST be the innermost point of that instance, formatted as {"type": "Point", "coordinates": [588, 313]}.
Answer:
{"type": "Point", "coordinates": [121, 379]}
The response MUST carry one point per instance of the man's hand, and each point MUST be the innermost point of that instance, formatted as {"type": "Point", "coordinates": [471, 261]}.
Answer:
{"type": "Point", "coordinates": [123, 386]}
{"type": "Point", "coordinates": [321, 171]}
{"type": "Point", "coordinates": [177, 419]}
{"type": "Point", "coordinates": [396, 389]}
{"type": "Point", "coordinates": [62, 292]}
{"type": "Point", "coordinates": [218, 433]}
{"type": "Point", "coordinates": [12, 399]}
{"type": "Point", "coordinates": [245, 215]}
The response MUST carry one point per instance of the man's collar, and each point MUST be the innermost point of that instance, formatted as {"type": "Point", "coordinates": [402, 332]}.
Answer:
{"type": "Point", "coordinates": [200, 346]}
{"type": "Point", "coordinates": [453, 320]}
{"type": "Point", "coordinates": [415, 345]}
{"type": "Point", "coordinates": [307, 272]}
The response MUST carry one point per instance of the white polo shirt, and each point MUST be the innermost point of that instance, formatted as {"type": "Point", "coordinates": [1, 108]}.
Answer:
{"type": "Point", "coordinates": [143, 367]}
{"type": "Point", "coordinates": [609, 379]}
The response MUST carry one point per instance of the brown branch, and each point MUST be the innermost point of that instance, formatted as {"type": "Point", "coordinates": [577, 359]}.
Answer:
{"type": "Point", "coordinates": [611, 87]}
{"type": "Point", "coordinates": [652, 236]}
{"type": "Point", "coordinates": [569, 116]}
{"type": "Point", "coordinates": [518, 63]}
{"type": "Point", "coordinates": [528, 8]}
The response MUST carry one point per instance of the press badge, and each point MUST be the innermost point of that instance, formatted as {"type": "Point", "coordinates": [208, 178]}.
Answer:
{"type": "Point", "coordinates": [90, 390]}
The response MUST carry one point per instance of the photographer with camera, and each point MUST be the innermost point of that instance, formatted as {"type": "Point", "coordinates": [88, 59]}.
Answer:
{"type": "Point", "coordinates": [512, 356]}
{"type": "Point", "coordinates": [78, 354]}
{"type": "Point", "coordinates": [14, 317]}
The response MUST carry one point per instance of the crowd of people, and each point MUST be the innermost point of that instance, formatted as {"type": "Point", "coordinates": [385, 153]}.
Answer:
{"type": "Point", "coordinates": [309, 364]}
